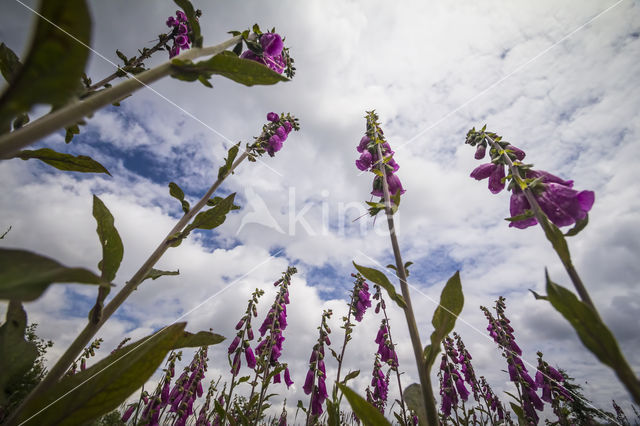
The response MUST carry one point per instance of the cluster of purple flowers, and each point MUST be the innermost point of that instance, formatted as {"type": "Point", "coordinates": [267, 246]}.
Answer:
{"type": "Point", "coordinates": [272, 52]}
{"type": "Point", "coordinates": [188, 387]}
{"type": "Point", "coordinates": [380, 384]}
{"type": "Point", "coordinates": [244, 336]}
{"type": "Point", "coordinates": [549, 380]}
{"type": "Point", "coordinates": [451, 381]}
{"type": "Point", "coordinates": [386, 349]}
{"type": "Point", "coordinates": [179, 33]}
{"type": "Point", "coordinates": [360, 297]}
{"type": "Point", "coordinates": [556, 197]}
{"type": "Point", "coordinates": [370, 147]}
{"type": "Point", "coordinates": [502, 334]}
{"type": "Point", "coordinates": [317, 368]}
{"type": "Point", "coordinates": [279, 132]}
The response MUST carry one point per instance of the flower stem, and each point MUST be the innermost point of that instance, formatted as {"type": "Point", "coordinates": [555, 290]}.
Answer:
{"type": "Point", "coordinates": [90, 330]}
{"type": "Point", "coordinates": [11, 143]}
{"type": "Point", "coordinates": [425, 380]}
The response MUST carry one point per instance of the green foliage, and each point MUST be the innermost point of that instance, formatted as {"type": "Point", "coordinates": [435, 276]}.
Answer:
{"type": "Point", "coordinates": [556, 237]}
{"type": "Point", "coordinates": [367, 413]}
{"type": "Point", "coordinates": [154, 274]}
{"type": "Point", "coordinates": [25, 275]}
{"type": "Point", "coordinates": [579, 226]}
{"type": "Point", "coordinates": [213, 217]}
{"type": "Point", "coordinates": [228, 162]}
{"type": "Point", "coordinates": [381, 279]}
{"type": "Point", "coordinates": [66, 162]}
{"type": "Point", "coordinates": [593, 333]}
{"type": "Point", "coordinates": [413, 398]}
{"type": "Point", "coordinates": [44, 77]}
{"type": "Point", "coordinates": [176, 192]}
{"type": "Point", "coordinates": [229, 65]}
{"type": "Point", "coordinates": [104, 386]}
{"type": "Point", "coordinates": [112, 248]}
{"type": "Point", "coordinates": [201, 338]}
{"type": "Point", "coordinates": [17, 355]}
{"type": "Point", "coordinates": [444, 317]}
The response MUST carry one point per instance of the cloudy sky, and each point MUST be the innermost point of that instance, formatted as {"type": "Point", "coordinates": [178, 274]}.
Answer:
{"type": "Point", "coordinates": [557, 80]}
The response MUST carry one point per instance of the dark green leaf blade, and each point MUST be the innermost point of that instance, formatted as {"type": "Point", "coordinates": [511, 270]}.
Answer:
{"type": "Point", "coordinates": [579, 226]}
{"type": "Point", "coordinates": [201, 338]}
{"type": "Point", "coordinates": [9, 63]}
{"type": "Point", "coordinates": [228, 162]}
{"type": "Point", "coordinates": [112, 248]}
{"type": "Point", "coordinates": [444, 317]}
{"type": "Point", "coordinates": [413, 397]}
{"type": "Point", "coordinates": [176, 192]}
{"type": "Point", "coordinates": [66, 162]}
{"type": "Point", "coordinates": [108, 383]}
{"type": "Point", "coordinates": [16, 354]}
{"type": "Point", "coordinates": [154, 274]}
{"type": "Point", "coordinates": [25, 275]}
{"type": "Point", "coordinates": [55, 61]}
{"type": "Point", "coordinates": [213, 217]}
{"type": "Point", "coordinates": [381, 279]}
{"type": "Point", "coordinates": [367, 413]}
{"type": "Point", "coordinates": [593, 333]}
{"type": "Point", "coordinates": [522, 420]}
{"type": "Point", "coordinates": [227, 64]}
{"type": "Point", "coordinates": [351, 375]}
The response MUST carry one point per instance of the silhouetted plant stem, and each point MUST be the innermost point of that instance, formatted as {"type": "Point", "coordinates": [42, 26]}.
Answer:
{"type": "Point", "coordinates": [425, 380]}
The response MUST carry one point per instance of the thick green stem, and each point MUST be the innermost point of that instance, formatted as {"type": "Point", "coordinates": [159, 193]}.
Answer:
{"type": "Point", "coordinates": [90, 330]}
{"type": "Point", "coordinates": [11, 143]}
{"type": "Point", "coordinates": [425, 379]}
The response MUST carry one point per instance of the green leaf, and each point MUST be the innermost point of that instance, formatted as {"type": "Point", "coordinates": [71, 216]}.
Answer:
{"type": "Point", "coordinates": [177, 193]}
{"type": "Point", "coordinates": [522, 420]}
{"type": "Point", "coordinates": [154, 274]}
{"type": "Point", "coordinates": [104, 386]}
{"type": "Point", "coordinates": [112, 248]}
{"type": "Point", "coordinates": [579, 226]}
{"type": "Point", "coordinates": [188, 9]}
{"type": "Point", "coordinates": [16, 354]}
{"type": "Point", "coordinates": [333, 413]}
{"type": "Point", "coordinates": [300, 406]}
{"type": "Point", "coordinates": [202, 338]}
{"type": "Point", "coordinates": [213, 217]}
{"type": "Point", "coordinates": [593, 333]}
{"type": "Point", "coordinates": [556, 237]}
{"type": "Point", "coordinates": [367, 413]}
{"type": "Point", "coordinates": [226, 64]}
{"type": "Point", "coordinates": [351, 375]}
{"type": "Point", "coordinates": [228, 162]}
{"type": "Point", "coordinates": [52, 71]}
{"type": "Point", "coordinates": [413, 397]}
{"type": "Point", "coordinates": [528, 214]}
{"type": "Point", "coordinates": [25, 275]}
{"type": "Point", "coordinates": [66, 162]}
{"type": "Point", "coordinates": [444, 317]}
{"type": "Point", "coordinates": [538, 296]}
{"type": "Point", "coordinates": [9, 63]}
{"type": "Point", "coordinates": [381, 279]}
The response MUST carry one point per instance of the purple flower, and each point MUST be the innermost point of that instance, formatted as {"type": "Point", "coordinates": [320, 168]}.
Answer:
{"type": "Point", "coordinates": [287, 377]}
{"type": "Point", "coordinates": [172, 22]}
{"type": "Point", "coordinates": [182, 41]}
{"type": "Point", "coordinates": [363, 143]}
{"type": "Point", "coordinates": [164, 396]}
{"type": "Point", "coordinates": [287, 126]}
{"type": "Point", "coordinates": [395, 185]}
{"type": "Point", "coordinates": [181, 16]}
{"type": "Point", "coordinates": [483, 171]}
{"type": "Point", "coordinates": [308, 382]}
{"type": "Point", "coordinates": [281, 132]}
{"type": "Point", "coordinates": [480, 152]}
{"type": "Point", "coordinates": [240, 324]}
{"type": "Point", "coordinates": [519, 154]}
{"type": "Point", "coordinates": [127, 414]}
{"type": "Point", "coordinates": [271, 44]}
{"type": "Point", "coordinates": [275, 144]}
{"type": "Point", "coordinates": [235, 367]}
{"type": "Point", "coordinates": [234, 344]}
{"type": "Point", "coordinates": [182, 29]}
{"type": "Point", "coordinates": [272, 116]}
{"type": "Point", "coordinates": [462, 390]}
{"type": "Point", "coordinates": [276, 378]}
{"type": "Point", "coordinates": [364, 162]}
{"type": "Point", "coordinates": [517, 206]}
{"type": "Point", "coordinates": [251, 359]}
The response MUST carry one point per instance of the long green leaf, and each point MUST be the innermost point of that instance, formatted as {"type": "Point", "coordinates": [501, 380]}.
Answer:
{"type": "Point", "coordinates": [367, 413]}
{"type": "Point", "coordinates": [9, 63]}
{"type": "Point", "coordinates": [381, 279]}
{"type": "Point", "coordinates": [25, 275]}
{"type": "Point", "coordinates": [66, 162]}
{"type": "Point", "coordinates": [593, 333]}
{"type": "Point", "coordinates": [413, 397]}
{"type": "Point", "coordinates": [226, 64]}
{"type": "Point", "coordinates": [201, 338]}
{"type": "Point", "coordinates": [104, 386]}
{"type": "Point", "coordinates": [213, 217]}
{"type": "Point", "coordinates": [16, 354]}
{"type": "Point", "coordinates": [112, 248]}
{"type": "Point", "coordinates": [176, 192]}
{"type": "Point", "coordinates": [444, 318]}
{"type": "Point", "coordinates": [228, 162]}
{"type": "Point", "coordinates": [55, 62]}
